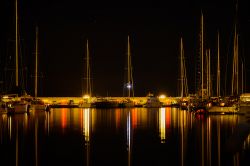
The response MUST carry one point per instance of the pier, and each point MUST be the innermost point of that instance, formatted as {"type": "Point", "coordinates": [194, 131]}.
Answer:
{"type": "Point", "coordinates": [77, 100]}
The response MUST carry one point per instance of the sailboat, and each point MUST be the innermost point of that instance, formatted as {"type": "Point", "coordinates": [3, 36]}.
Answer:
{"type": "Point", "coordinates": [197, 105]}
{"type": "Point", "coordinates": [183, 80]}
{"type": "Point", "coordinates": [36, 103]}
{"type": "Point", "coordinates": [229, 104]}
{"type": "Point", "coordinates": [129, 83]}
{"type": "Point", "coordinates": [244, 99]}
{"type": "Point", "coordinates": [15, 103]}
{"type": "Point", "coordinates": [87, 95]}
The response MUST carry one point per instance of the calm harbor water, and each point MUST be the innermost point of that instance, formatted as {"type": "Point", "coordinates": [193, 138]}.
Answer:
{"type": "Point", "coordinates": [131, 136]}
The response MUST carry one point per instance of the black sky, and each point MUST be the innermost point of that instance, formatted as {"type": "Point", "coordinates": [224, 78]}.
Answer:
{"type": "Point", "coordinates": [155, 28]}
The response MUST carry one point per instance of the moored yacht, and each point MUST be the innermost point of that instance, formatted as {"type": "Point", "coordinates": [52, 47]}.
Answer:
{"type": "Point", "coordinates": [152, 102]}
{"type": "Point", "coordinates": [223, 106]}
{"type": "Point", "coordinates": [105, 103]}
{"type": "Point", "coordinates": [127, 103]}
{"type": "Point", "coordinates": [38, 104]}
{"type": "Point", "coordinates": [15, 104]}
{"type": "Point", "coordinates": [244, 103]}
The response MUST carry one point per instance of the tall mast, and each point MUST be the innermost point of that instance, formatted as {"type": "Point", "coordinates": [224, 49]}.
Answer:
{"type": "Point", "coordinates": [242, 78]}
{"type": "Point", "coordinates": [185, 76]}
{"type": "Point", "coordinates": [17, 46]}
{"type": "Point", "coordinates": [182, 77]}
{"type": "Point", "coordinates": [218, 65]}
{"type": "Point", "coordinates": [202, 56]}
{"type": "Point", "coordinates": [237, 64]}
{"type": "Point", "coordinates": [209, 74]}
{"type": "Point", "coordinates": [87, 67]}
{"type": "Point", "coordinates": [88, 81]}
{"type": "Point", "coordinates": [129, 81]}
{"type": "Point", "coordinates": [235, 80]}
{"type": "Point", "coordinates": [129, 84]}
{"type": "Point", "coordinates": [36, 63]}
{"type": "Point", "coordinates": [182, 70]}
{"type": "Point", "coordinates": [207, 70]}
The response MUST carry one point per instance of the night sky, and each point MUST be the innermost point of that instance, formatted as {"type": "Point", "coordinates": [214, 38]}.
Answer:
{"type": "Point", "coordinates": [155, 28]}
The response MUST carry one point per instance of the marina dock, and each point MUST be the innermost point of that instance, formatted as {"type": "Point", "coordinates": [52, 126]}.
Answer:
{"type": "Point", "coordinates": [77, 100]}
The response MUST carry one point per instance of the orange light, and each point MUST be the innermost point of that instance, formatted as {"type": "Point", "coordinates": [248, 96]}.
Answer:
{"type": "Point", "coordinates": [64, 118]}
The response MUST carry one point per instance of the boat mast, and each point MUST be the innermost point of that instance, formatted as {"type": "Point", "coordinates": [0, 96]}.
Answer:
{"type": "Point", "coordinates": [237, 64]}
{"type": "Point", "coordinates": [202, 79]}
{"type": "Point", "coordinates": [88, 80]}
{"type": "Point", "coordinates": [235, 77]}
{"type": "Point", "coordinates": [242, 78]}
{"type": "Point", "coordinates": [17, 46]}
{"type": "Point", "coordinates": [183, 76]}
{"type": "Point", "coordinates": [36, 62]}
{"type": "Point", "coordinates": [218, 65]}
{"type": "Point", "coordinates": [235, 80]}
{"type": "Point", "coordinates": [208, 72]}
{"type": "Point", "coordinates": [130, 84]}
{"type": "Point", "coordinates": [129, 88]}
{"type": "Point", "coordinates": [182, 69]}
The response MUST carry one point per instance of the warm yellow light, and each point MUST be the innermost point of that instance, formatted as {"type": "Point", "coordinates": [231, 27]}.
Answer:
{"type": "Point", "coordinates": [86, 124]}
{"type": "Point", "coordinates": [174, 102]}
{"type": "Point", "coordinates": [63, 101]}
{"type": "Point", "coordinates": [45, 101]}
{"type": "Point", "coordinates": [162, 124]}
{"type": "Point", "coordinates": [222, 104]}
{"type": "Point", "coordinates": [209, 104]}
{"type": "Point", "coordinates": [162, 96]}
{"type": "Point", "coordinates": [86, 96]}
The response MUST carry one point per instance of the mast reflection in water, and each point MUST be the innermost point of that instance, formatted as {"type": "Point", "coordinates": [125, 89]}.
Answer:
{"type": "Point", "coordinates": [129, 136]}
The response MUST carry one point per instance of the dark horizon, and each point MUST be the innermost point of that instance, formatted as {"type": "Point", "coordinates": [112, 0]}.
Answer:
{"type": "Point", "coordinates": [154, 28]}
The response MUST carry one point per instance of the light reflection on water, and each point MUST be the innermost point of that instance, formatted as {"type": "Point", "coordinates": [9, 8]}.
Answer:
{"type": "Point", "coordinates": [136, 136]}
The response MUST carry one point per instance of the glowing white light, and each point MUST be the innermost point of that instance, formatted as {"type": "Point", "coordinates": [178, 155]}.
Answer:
{"type": "Point", "coordinates": [86, 96]}
{"type": "Point", "coordinates": [129, 86]}
{"type": "Point", "coordinates": [162, 96]}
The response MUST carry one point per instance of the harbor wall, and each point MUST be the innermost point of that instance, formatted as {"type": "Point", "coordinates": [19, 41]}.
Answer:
{"type": "Point", "coordinates": [77, 100]}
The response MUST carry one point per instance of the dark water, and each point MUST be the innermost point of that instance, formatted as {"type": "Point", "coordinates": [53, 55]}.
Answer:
{"type": "Point", "coordinates": [137, 136]}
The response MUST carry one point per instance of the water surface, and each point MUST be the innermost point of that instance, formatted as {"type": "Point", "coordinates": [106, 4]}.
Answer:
{"type": "Point", "coordinates": [137, 136]}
